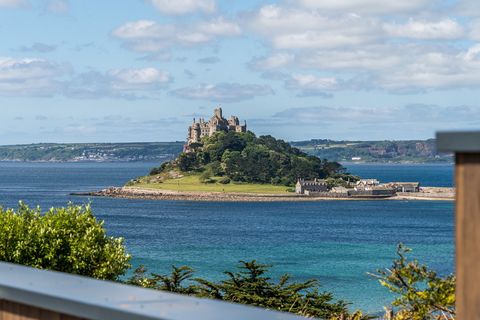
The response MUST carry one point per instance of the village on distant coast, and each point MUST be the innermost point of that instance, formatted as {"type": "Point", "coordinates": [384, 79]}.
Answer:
{"type": "Point", "coordinates": [304, 189]}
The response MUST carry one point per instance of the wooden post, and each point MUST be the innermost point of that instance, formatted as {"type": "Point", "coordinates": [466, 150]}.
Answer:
{"type": "Point", "coordinates": [468, 235]}
{"type": "Point", "coordinates": [466, 146]}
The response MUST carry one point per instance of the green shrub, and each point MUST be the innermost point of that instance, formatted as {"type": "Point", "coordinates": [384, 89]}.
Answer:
{"type": "Point", "coordinates": [67, 239]}
{"type": "Point", "coordinates": [421, 293]}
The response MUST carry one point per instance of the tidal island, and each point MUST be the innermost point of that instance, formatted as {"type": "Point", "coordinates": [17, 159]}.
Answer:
{"type": "Point", "coordinates": [223, 161]}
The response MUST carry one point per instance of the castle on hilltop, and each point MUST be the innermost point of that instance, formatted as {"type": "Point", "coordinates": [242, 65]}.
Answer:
{"type": "Point", "coordinates": [203, 128]}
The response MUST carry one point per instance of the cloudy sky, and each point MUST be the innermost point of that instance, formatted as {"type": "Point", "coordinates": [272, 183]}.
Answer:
{"type": "Point", "coordinates": [140, 70]}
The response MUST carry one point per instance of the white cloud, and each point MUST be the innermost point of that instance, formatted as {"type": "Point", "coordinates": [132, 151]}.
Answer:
{"type": "Point", "coordinates": [290, 28]}
{"type": "Point", "coordinates": [364, 6]}
{"type": "Point", "coordinates": [472, 54]}
{"type": "Point", "coordinates": [181, 7]}
{"type": "Point", "coordinates": [134, 79]}
{"type": "Point", "coordinates": [150, 36]}
{"type": "Point", "coordinates": [436, 70]}
{"type": "Point", "coordinates": [367, 122]}
{"type": "Point", "coordinates": [367, 48]}
{"type": "Point", "coordinates": [469, 8]}
{"type": "Point", "coordinates": [40, 77]}
{"type": "Point", "coordinates": [317, 40]}
{"type": "Point", "coordinates": [223, 92]}
{"type": "Point", "coordinates": [13, 3]}
{"type": "Point", "coordinates": [219, 27]}
{"type": "Point", "coordinates": [30, 77]}
{"type": "Point", "coordinates": [365, 59]}
{"type": "Point", "coordinates": [442, 29]}
{"type": "Point", "coordinates": [474, 30]}
{"type": "Point", "coordinates": [311, 85]}
{"type": "Point", "coordinates": [118, 83]}
{"type": "Point", "coordinates": [386, 67]}
{"type": "Point", "coordinates": [275, 61]}
{"type": "Point", "coordinates": [58, 6]}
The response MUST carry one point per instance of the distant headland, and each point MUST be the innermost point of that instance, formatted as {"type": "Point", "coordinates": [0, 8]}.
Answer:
{"type": "Point", "coordinates": [387, 151]}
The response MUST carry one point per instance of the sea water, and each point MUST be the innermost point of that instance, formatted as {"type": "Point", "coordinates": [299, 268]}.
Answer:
{"type": "Point", "coordinates": [336, 242]}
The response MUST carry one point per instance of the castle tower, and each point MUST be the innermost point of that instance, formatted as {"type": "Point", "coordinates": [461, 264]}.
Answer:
{"type": "Point", "coordinates": [218, 113]}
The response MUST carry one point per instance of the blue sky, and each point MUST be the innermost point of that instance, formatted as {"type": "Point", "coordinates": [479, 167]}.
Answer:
{"type": "Point", "coordinates": [139, 70]}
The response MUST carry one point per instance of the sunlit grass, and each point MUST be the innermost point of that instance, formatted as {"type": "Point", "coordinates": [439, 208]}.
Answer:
{"type": "Point", "coordinates": [192, 183]}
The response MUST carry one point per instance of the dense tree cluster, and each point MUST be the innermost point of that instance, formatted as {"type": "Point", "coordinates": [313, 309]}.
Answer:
{"type": "Point", "coordinates": [243, 157]}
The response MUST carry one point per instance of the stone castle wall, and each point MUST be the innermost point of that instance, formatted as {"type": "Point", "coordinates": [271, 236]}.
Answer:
{"type": "Point", "coordinates": [217, 122]}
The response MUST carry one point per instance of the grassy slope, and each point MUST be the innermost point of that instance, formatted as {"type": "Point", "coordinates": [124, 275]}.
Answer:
{"type": "Point", "coordinates": [192, 183]}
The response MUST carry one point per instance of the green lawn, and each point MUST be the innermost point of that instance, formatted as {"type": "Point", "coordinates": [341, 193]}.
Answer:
{"type": "Point", "coordinates": [192, 183]}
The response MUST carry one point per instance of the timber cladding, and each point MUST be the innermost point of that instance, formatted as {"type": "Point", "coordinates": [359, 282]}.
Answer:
{"type": "Point", "coordinates": [16, 311]}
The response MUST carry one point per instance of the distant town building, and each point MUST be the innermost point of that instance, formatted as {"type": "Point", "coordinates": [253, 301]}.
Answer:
{"type": "Point", "coordinates": [340, 189]}
{"type": "Point", "coordinates": [405, 186]}
{"type": "Point", "coordinates": [356, 158]}
{"type": "Point", "coordinates": [308, 187]}
{"type": "Point", "coordinates": [367, 184]}
{"type": "Point", "coordinates": [203, 128]}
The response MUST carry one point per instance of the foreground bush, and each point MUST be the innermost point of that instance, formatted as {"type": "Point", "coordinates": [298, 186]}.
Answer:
{"type": "Point", "coordinates": [421, 293]}
{"type": "Point", "coordinates": [251, 286]}
{"type": "Point", "coordinates": [66, 239]}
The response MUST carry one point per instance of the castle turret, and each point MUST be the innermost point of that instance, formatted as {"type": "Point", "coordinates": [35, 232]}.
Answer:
{"type": "Point", "coordinates": [218, 113]}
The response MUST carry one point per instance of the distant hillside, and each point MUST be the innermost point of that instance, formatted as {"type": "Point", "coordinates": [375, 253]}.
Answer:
{"type": "Point", "coordinates": [374, 151]}
{"type": "Point", "coordinates": [232, 156]}
{"type": "Point", "coordinates": [151, 151]}
{"type": "Point", "coordinates": [367, 151]}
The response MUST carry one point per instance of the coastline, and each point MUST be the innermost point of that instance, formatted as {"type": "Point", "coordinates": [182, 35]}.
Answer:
{"type": "Point", "coordinates": [427, 194]}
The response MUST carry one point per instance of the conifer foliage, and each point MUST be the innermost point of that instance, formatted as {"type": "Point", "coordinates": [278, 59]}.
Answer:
{"type": "Point", "coordinates": [251, 285]}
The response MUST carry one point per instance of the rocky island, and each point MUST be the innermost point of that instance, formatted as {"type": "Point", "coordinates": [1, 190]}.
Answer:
{"type": "Point", "coordinates": [223, 161]}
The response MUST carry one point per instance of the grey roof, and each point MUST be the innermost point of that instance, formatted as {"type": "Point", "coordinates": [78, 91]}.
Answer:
{"type": "Point", "coordinates": [405, 183]}
{"type": "Point", "coordinates": [461, 141]}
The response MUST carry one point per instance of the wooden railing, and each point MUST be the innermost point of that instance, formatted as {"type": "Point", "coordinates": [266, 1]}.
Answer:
{"type": "Point", "coordinates": [32, 294]}
{"type": "Point", "coordinates": [466, 146]}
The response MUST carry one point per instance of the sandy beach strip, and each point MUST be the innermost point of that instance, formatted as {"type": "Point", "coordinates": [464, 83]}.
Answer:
{"type": "Point", "coordinates": [427, 193]}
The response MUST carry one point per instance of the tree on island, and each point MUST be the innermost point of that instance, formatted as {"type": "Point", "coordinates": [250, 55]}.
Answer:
{"type": "Point", "coordinates": [244, 157]}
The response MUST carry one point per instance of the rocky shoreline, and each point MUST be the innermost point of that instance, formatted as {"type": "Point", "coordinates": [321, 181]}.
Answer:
{"type": "Point", "coordinates": [426, 193]}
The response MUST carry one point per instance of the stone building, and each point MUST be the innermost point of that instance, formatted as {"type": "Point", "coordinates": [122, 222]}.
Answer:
{"type": "Point", "coordinates": [367, 184]}
{"type": "Point", "coordinates": [309, 187]}
{"type": "Point", "coordinates": [405, 186]}
{"type": "Point", "coordinates": [203, 128]}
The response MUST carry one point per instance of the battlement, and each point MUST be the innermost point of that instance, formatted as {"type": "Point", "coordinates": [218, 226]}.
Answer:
{"type": "Point", "coordinates": [217, 122]}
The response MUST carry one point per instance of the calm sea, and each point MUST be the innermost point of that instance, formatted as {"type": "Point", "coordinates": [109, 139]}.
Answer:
{"type": "Point", "coordinates": [336, 242]}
